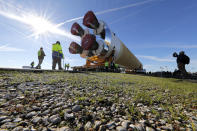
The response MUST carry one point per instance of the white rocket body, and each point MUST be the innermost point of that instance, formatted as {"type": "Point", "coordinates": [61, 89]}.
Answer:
{"type": "Point", "coordinates": [122, 54]}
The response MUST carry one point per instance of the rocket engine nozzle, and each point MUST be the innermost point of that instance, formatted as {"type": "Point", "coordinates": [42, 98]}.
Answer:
{"type": "Point", "coordinates": [89, 42]}
{"type": "Point", "coordinates": [77, 30]}
{"type": "Point", "coordinates": [90, 20]}
{"type": "Point", "coordinates": [75, 48]}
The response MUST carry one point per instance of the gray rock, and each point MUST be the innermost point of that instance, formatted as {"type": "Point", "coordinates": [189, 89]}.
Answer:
{"type": "Point", "coordinates": [88, 125]}
{"type": "Point", "coordinates": [3, 118]}
{"type": "Point", "coordinates": [37, 120]}
{"type": "Point", "coordinates": [33, 129]}
{"type": "Point", "coordinates": [59, 104]}
{"type": "Point", "coordinates": [5, 121]}
{"type": "Point", "coordinates": [149, 129]}
{"type": "Point", "coordinates": [111, 125]}
{"type": "Point", "coordinates": [120, 128]}
{"type": "Point", "coordinates": [46, 112]}
{"type": "Point", "coordinates": [68, 116]}
{"type": "Point", "coordinates": [68, 111]}
{"type": "Point", "coordinates": [182, 129]}
{"type": "Point", "coordinates": [102, 128]}
{"type": "Point", "coordinates": [113, 108]}
{"type": "Point", "coordinates": [26, 129]}
{"type": "Point", "coordinates": [117, 120]}
{"type": "Point", "coordinates": [17, 120]}
{"type": "Point", "coordinates": [132, 126]}
{"type": "Point", "coordinates": [166, 127]}
{"type": "Point", "coordinates": [189, 129]}
{"type": "Point", "coordinates": [163, 122]}
{"type": "Point", "coordinates": [35, 108]}
{"type": "Point", "coordinates": [56, 110]}
{"type": "Point", "coordinates": [76, 108]}
{"type": "Point", "coordinates": [55, 119]}
{"type": "Point", "coordinates": [45, 129]}
{"type": "Point", "coordinates": [194, 118]}
{"type": "Point", "coordinates": [19, 107]}
{"type": "Point", "coordinates": [139, 104]}
{"type": "Point", "coordinates": [160, 109]}
{"type": "Point", "coordinates": [22, 123]}
{"type": "Point", "coordinates": [139, 127]}
{"type": "Point", "coordinates": [31, 114]}
{"type": "Point", "coordinates": [19, 128]}
{"type": "Point", "coordinates": [12, 90]}
{"type": "Point", "coordinates": [20, 97]}
{"type": "Point", "coordinates": [45, 121]}
{"type": "Point", "coordinates": [125, 124]}
{"type": "Point", "coordinates": [97, 125]}
{"type": "Point", "coordinates": [8, 125]}
{"type": "Point", "coordinates": [65, 128]}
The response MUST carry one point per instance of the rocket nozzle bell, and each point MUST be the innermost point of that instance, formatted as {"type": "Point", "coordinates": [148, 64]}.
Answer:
{"type": "Point", "coordinates": [75, 48]}
{"type": "Point", "coordinates": [77, 30]}
{"type": "Point", "coordinates": [89, 42]}
{"type": "Point", "coordinates": [90, 20]}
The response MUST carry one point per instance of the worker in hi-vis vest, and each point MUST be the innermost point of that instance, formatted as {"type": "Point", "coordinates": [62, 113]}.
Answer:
{"type": "Point", "coordinates": [116, 66]}
{"type": "Point", "coordinates": [67, 66]}
{"type": "Point", "coordinates": [41, 56]}
{"type": "Point", "coordinates": [106, 65]}
{"type": "Point", "coordinates": [57, 55]}
{"type": "Point", "coordinates": [32, 64]}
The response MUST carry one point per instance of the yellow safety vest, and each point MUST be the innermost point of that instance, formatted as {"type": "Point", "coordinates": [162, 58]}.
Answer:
{"type": "Point", "coordinates": [39, 53]}
{"type": "Point", "coordinates": [58, 49]}
{"type": "Point", "coordinates": [55, 47]}
{"type": "Point", "coordinates": [106, 63]}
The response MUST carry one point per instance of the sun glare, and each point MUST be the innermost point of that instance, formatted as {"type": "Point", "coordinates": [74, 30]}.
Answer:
{"type": "Point", "coordinates": [39, 25]}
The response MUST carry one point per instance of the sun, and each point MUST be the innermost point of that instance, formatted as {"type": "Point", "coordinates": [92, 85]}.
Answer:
{"type": "Point", "coordinates": [42, 26]}
{"type": "Point", "coordinates": [39, 24]}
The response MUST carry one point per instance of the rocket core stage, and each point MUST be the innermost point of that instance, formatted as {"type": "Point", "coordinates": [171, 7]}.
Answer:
{"type": "Point", "coordinates": [98, 50]}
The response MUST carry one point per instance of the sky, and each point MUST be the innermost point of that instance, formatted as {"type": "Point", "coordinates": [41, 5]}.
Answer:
{"type": "Point", "coordinates": [151, 29]}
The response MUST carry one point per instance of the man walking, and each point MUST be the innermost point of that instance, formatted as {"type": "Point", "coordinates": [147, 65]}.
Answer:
{"type": "Point", "coordinates": [41, 56]}
{"type": "Point", "coordinates": [67, 66]}
{"type": "Point", "coordinates": [57, 55]}
{"type": "Point", "coordinates": [32, 64]}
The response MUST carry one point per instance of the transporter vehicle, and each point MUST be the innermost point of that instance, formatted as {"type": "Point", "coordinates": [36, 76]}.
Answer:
{"type": "Point", "coordinates": [101, 47]}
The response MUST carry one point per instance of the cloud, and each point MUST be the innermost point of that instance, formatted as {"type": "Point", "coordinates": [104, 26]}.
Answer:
{"type": "Point", "coordinates": [124, 7]}
{"type": "Point", "coordinates": [6, 48]}
{"type": "Point", "coordinates": [155, 58]}
{"type": "Point", "coordinates": [109, 10]}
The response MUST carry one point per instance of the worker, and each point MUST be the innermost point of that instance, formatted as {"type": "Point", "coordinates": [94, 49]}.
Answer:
{"type": "Point", "coordinates": [106, 66]}
{"type": "Point", "coordinates": [116, 67]}
{"type": "Point", "coordinates": [32, 64]}
{"type": "Point", "coordinates": [182, 60]}
{"type": "Point", "coordinates": [67, 66]}
{"type": "Point", "coordinates": [41, 56]}
{"type": "Point", "coordinates": [57, 55]}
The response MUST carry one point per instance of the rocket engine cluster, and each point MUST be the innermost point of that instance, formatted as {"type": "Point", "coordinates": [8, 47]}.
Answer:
{"type": "Point", "coordinates": [103, 44]}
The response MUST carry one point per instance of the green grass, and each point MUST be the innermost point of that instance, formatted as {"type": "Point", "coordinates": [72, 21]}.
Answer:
{"type": "Point", "coordinates": [168, 93]}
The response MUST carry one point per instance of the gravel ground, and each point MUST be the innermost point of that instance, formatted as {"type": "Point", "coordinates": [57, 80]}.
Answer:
{"type": "Point", "coordinates": [95, 102]}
